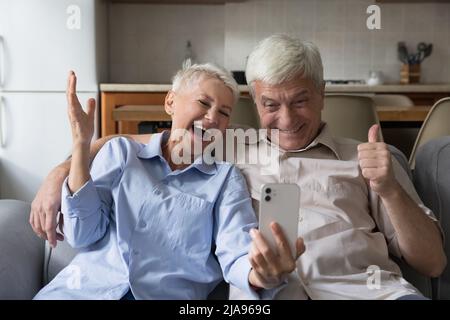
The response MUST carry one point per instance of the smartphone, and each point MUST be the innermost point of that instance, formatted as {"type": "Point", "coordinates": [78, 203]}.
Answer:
{"type": "Point", "coordinates": [280, 202]}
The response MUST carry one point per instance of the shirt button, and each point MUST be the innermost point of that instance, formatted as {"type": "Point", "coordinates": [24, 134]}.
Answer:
{"type": "Point", "coordinates": [135, 252]}
{"type": "Point", "coordinates": [157, 192]}
{"type": "Point", "coordinates": [300, 218]}
{"type": "Point", "coordinates": [142, 224]}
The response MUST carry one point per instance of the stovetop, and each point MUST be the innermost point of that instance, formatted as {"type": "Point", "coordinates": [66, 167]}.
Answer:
{"type": "Point", "coordinates": [337, 81]}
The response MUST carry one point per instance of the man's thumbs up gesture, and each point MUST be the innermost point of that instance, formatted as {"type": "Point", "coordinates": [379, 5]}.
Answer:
{"type": "Point", "coordinates": [375, 162]}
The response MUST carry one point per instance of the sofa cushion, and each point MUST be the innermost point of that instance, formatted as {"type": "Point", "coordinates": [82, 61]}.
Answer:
{"type": "Point", "coordinates": [21, 252]}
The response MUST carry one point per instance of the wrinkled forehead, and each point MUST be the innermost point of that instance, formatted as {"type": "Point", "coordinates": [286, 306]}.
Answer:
{"type": "Point", "coordinates": [286, 90]}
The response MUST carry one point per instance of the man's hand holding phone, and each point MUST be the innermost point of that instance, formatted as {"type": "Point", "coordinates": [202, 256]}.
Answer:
{"type": "Point", "coordinates": [270, 268]}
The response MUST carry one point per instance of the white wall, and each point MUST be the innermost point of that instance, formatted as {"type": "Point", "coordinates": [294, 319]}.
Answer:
{"type": "Point", "coordinates": [147, 41]}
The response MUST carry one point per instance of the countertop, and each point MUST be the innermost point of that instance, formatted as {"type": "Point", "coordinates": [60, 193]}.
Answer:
{"type": "Point", "coordinates": [427, 88]}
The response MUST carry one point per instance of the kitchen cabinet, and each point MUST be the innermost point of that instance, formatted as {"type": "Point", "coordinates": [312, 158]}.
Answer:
{"type": "Point", "coordinates": [111, 123]}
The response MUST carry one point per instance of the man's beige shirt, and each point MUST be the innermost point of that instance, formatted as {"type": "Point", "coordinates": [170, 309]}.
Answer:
{"type": "Point", "coordinates": [344, 224]}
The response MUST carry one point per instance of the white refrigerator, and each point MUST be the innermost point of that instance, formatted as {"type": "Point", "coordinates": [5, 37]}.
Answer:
{"type": "Point", "coordinates": [40, 41]}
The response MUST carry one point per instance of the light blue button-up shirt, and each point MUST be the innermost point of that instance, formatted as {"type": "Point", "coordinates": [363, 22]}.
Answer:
{"type": "Point", "coordinates": [163, 234]}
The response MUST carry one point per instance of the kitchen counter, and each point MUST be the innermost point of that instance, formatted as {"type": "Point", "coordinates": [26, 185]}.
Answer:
{"type": "Point", "coordinates": [333, 88]}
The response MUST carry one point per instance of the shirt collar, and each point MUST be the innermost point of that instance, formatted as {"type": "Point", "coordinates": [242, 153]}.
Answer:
{"type": "Point", "coordinates": [153, 149]}
{"type": "Point", "coordinates": [324, 138]}
{"type": "Point", "coordinates": [200, 165]}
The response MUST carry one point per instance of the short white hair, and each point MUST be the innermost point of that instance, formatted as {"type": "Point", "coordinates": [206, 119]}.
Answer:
{"type": "Point", "coordinates": [280, 58]}
{"type": "Point", "coordinates": [191, 73]}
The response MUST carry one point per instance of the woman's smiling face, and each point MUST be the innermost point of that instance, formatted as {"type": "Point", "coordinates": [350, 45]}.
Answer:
{"type": "Point", "coordinates": [205, 103]}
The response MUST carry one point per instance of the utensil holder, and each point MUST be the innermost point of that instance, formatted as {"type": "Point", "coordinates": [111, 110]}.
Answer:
{"type": "Point", "coordinates": [410, 73]}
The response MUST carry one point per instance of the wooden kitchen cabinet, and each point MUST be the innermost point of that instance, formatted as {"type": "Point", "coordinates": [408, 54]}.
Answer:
{"type": "Point", "coordinates": [111, 101]}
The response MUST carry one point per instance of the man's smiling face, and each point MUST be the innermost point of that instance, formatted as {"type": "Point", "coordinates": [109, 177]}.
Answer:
{"type": "Point", "coordinates": [293, 107]}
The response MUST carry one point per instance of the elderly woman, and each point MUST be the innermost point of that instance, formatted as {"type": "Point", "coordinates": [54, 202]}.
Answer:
{"type": "Point", "coordinates": [151, 228]}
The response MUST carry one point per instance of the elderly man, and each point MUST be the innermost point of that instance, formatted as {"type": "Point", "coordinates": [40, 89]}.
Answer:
{"type": "Point", "coordinates": [358, 206]}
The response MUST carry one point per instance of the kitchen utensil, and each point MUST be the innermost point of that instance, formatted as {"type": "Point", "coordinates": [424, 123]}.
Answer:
{"type": "Point", "coordinates": [428, 50]}
{"type": "Point", "coordinates": [423, 51]}
{"type": "Point", "coordinates": [402, 52]}
{"type": "Point", "coordinates": [420, 55]}
{"type": "Point", "coordinates": [421, 46]}
{"type": "Point", "coordinates": [413, 58]}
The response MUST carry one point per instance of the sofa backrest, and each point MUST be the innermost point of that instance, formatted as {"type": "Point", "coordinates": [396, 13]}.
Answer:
{"type": "Point", "coordinates": [421, 282]}
{"type": "Point", "coordinates": [432, 181]}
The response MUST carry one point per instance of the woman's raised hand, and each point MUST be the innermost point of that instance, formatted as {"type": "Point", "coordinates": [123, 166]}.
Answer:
{"type": "Point", "coordinates": [81, 122]}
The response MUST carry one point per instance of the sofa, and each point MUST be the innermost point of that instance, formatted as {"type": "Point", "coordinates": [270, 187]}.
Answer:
{"type": "Point", "coordinates": [27, 263]}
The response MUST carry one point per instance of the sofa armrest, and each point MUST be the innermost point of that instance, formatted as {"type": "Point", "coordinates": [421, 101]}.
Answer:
{"type": "Point", "coordinates": [21, 252]}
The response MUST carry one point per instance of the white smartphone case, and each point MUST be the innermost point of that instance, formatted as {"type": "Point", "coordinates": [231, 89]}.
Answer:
{"type": "Point", "coordinates": [280, 202]}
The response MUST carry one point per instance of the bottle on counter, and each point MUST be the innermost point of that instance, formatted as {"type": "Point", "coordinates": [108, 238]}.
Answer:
{"type": "Point", "coordinates": [375, 78]}
{"type": "Point", "coordinates": [189, 57]}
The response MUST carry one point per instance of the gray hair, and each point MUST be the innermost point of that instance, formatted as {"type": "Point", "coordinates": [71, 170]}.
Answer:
{"type": "Point", "coordinates": [280, 58]}
{"type": "Point", "coordinates": [191, 73]}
